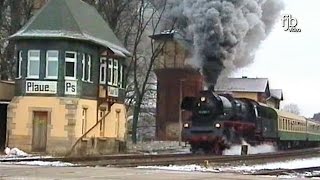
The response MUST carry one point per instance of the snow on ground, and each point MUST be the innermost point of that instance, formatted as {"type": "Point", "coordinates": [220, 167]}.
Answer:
{"type": "Point", "coordinates": [41, 163]}
{"type": "Point", "coordinates": [188, 168]}
{"type": "Point", "coordinates": [16, 153]}
{"type": "Point", "coordinates": [2, 158]}
{"type": "Point", "coordinates": [292, 164]}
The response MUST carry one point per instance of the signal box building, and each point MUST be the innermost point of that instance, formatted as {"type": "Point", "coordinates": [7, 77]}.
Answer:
{"type": "Point", "coordinates": [69, 87]}
{"type": "Point", "coordinates": [252, 88]}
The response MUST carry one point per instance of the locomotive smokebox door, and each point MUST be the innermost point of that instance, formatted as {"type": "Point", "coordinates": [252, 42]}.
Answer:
{"type": "Point", "coordinates": [188, 103]}
{"type": "Point", "coordinates": [244, 150]}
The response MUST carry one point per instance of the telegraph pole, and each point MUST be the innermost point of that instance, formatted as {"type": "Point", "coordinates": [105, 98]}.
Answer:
{"type": "Point", "coordinates": [180, 111]}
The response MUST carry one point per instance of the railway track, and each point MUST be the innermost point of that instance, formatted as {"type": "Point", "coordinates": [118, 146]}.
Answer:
{"type": "Point", "coordinates": [306, 172]}
{"type": "Point", "coordinates": [131, 160]}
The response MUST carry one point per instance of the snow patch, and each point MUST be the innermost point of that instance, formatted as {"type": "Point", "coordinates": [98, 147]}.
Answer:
{"type": "Point", "coordinates": [15, 152]}
{"type": "Point", "coordinates": [44, 163]}
{"type": "Point", "coordinates": [292, 164]}
{"type": "Point", "coordinates": [41, 163]}
{"type": "Point", "coordinates": [188, 168]}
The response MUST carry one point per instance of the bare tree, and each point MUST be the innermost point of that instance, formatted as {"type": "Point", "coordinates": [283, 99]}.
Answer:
{"type": "Point", "coordinates": [144, 54]}
{"type": "Point", "coordinates": [14, 15]}
{"type": "Point", "coordinates": [292, 108]}
{"type": "Point", "coordinates": [117, 13]}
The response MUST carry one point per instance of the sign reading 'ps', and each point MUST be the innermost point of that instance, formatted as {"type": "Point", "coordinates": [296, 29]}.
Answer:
{"type": "Point", "coordinates": [70, 87]}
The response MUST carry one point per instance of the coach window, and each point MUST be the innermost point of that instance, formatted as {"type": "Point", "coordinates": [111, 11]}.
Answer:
{"type": "Point", "coordinates": [300, 126]}
{"type": "Point", "coordinates": [294, 125]}
{"type": "Point", "coordinates": [280, 124]}
{"type": "Point", "coordinates": [71, 65]}
{"type": "Point", "coordinates": [33, 63]}
{"type": "Point", "coordinates": [52, 64]}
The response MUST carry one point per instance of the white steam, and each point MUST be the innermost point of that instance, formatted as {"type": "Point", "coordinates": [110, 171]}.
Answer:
{"type": "Point", "coordinates": [263, 148]}
{"type": "Point", "coordinates": [225, 33]}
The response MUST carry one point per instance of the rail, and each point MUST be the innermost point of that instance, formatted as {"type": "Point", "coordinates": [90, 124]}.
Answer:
{"type": "Point", "coordinates": [130, 160]}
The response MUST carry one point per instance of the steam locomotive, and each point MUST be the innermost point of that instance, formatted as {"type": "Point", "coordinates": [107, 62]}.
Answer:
{"type": "Point", "coordinates": [220, 120]}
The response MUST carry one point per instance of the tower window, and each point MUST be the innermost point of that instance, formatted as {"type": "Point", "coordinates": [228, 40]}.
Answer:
{"type": "Point", "coordinates": [19, 74]}
{"type": "Point", "coordinates": [110, 71]}
{"type": "Point", "coordinates": [70, 65]}
{"type": "Point", "coordinates": [115, 72]}
{"type": "Point", "coordinates": [33, 63]}
{"type": "Point", "coordinates": [86, 67]}
{"type": "Point", "coordinates": [103, 70]}
{"type": "Point", "coordinates": [52, 64]}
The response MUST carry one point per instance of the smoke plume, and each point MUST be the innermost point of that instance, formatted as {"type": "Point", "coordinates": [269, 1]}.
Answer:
{"type": "Point", "coordinates": [225, 33]}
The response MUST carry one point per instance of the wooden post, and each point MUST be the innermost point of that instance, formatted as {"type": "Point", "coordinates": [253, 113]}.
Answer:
{"type": "Point", "coordinates": [244, 150]}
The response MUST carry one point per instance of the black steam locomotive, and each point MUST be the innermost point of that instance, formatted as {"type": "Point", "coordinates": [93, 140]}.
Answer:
{"type": "Point", "coordinates": [218, 121]}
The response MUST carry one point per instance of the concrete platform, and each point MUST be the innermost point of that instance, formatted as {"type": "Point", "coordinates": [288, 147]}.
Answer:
{"type": "Point", "coordinates": [50, 173]}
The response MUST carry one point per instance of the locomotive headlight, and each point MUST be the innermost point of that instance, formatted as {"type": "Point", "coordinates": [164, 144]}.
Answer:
{"type": "Point", "coordinates": [217, 125]}
{"type": "Point", "coordinates": [186, 125]}
{"type": "Point", "coordinates": [203, 99]}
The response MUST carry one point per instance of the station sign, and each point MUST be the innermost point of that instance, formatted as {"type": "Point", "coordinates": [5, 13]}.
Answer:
{"type": "Point", "coordinates": [41, 87]}
{"type": "Point", "coordinates": [70, 87]}
{"type": "Point", "coordinates": [113, 91]}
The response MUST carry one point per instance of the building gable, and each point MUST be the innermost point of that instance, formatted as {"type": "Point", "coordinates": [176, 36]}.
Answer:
{"type": "Point", "coordinates": [243, 85]}
{"type": "Point", "coordinates": [71, 19]}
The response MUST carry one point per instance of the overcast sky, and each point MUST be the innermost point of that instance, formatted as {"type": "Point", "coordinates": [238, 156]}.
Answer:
{"type": "Point", "coordinates": [291, 61]}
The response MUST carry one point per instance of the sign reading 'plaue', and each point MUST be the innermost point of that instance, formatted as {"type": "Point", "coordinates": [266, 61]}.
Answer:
{"type": "Point", "coordinates": [41, 87]}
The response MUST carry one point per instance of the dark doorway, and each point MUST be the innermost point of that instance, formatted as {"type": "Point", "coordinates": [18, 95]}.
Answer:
{"type": "Point", "coordinates": [39, 137]}
{"type": "Point", "coordinates": [3, 125]}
